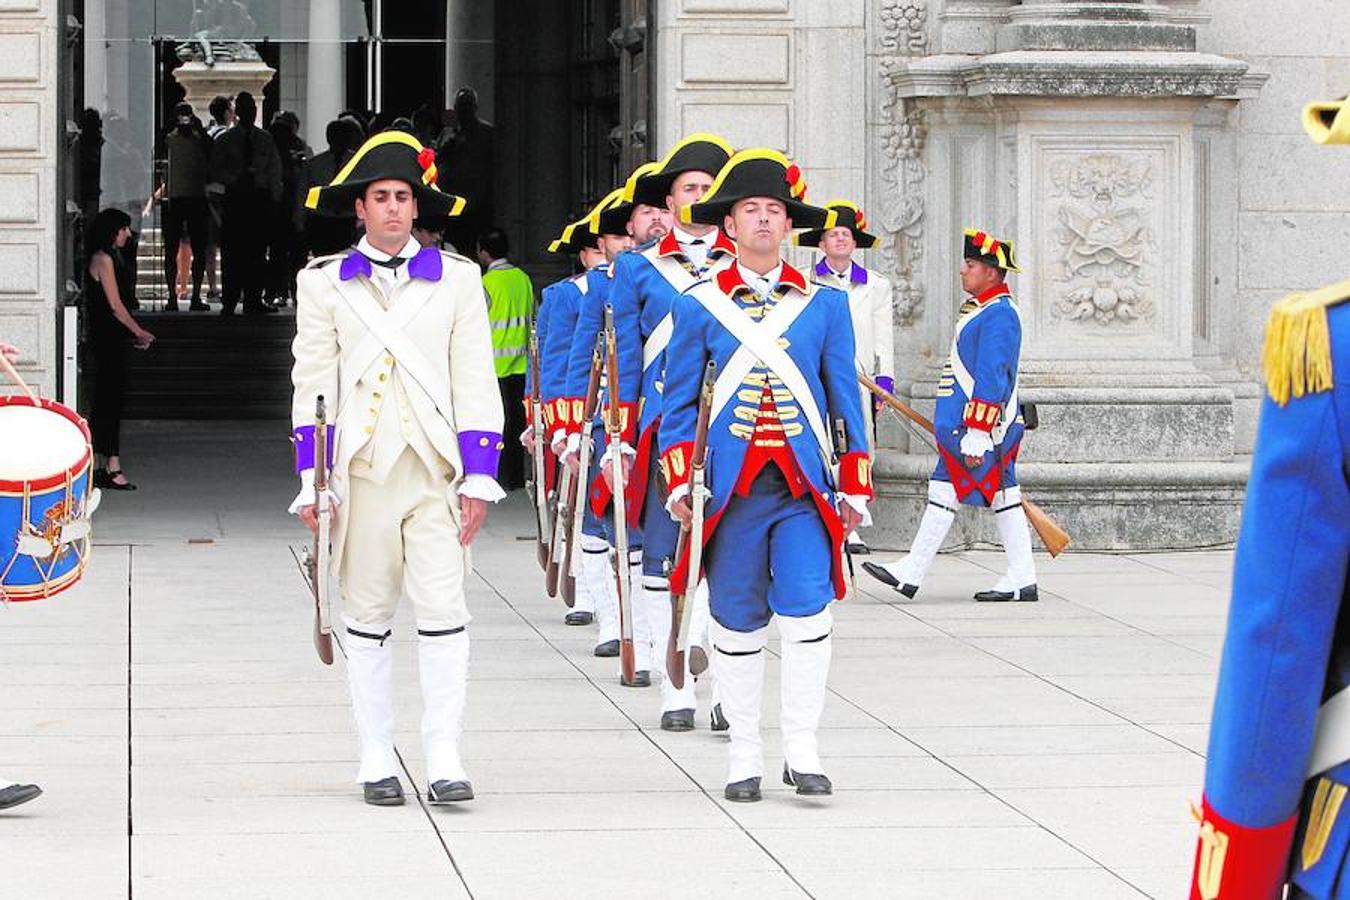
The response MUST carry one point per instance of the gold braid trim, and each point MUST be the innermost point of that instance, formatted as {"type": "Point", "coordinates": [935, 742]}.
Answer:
{"type": "Point", "coordinates": [1297, 355]}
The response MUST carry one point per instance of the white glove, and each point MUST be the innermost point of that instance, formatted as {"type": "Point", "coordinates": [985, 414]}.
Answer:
{"type": "Point", "coordinates": [558, 442]}
{"type": "Point", "coordinates": [859, 504]}
{"type": "Point", "coordinates": [306, 495]}
{"type": "Point", "coordinates": [976, 443]}
{"type": "Point", "coordinates": [608, 455]}
{"type": "Point", "coordinates": [573, 447]}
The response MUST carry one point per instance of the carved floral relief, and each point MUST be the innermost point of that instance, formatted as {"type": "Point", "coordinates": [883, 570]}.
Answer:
{"type": "Point", "coordinates": [1104, 258]}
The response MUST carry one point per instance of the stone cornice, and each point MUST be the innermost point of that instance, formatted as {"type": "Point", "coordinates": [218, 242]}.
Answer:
{"type": "Point", "coordinates": [1074, 74]}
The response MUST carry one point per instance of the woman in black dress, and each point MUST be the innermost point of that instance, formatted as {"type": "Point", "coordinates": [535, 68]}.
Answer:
{"type": "Point", "coordinates": [111, 328]}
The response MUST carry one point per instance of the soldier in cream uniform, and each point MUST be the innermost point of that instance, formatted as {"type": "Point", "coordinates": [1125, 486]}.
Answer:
{"type": "Point", "coordinates": [396, 339]}
{"type": "Point", "coordinates": [869, 305]}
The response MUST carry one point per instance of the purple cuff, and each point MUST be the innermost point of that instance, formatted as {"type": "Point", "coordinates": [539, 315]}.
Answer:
{"type": "Point", "coordinates": [886, 383]}
{"type": "Point", "coordinates": [303, 438]}
{"type": "Point", "coordinates": [479, 451]}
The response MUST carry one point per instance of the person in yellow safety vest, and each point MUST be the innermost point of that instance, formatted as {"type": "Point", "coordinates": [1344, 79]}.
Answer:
{"type": "Point", "coordinates": [510, 306]}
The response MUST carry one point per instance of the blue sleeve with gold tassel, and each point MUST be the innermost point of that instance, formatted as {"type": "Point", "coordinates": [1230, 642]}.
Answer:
{"type": "Point", "coordinates": [1289, 584]}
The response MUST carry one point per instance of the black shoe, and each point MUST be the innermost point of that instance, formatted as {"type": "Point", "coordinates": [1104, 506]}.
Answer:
{"type": "Point", "coordinates": [227, 310]}
{"type": "Point", "coordinates": [880, 574]}
{"type": "Point", "coordinates": [578, 618]}
{"type": "Point", "coordinates": [641, 678]}
{"type": "Point", "coordinates": [807, 784]}
{"type": "Point", "coordinates": [677, 720]}
{"type": "Point", "coordinates": [171, 306]}
{"type": "Point", "coordinates": [258, 309]}
{"type": "Point", "coordinates": [106, 480]}
{"type": "Point", "coordinates": [16, 794]}
{"type": "Point", "coordinates": [1025, 595]}
{"type": "Point", "coordinates": [719, 721]}
{"type": "Point", "coordinates": [608, 648]}
{"type": "Point", "coordinates": [199, 306]}
{"type": "Point", "coordinates": [385, 792]}
{"type": "Point", "coordinates": [449, 792]}
{"type": "Point", "coordinates": [746, 791]}
{"type": "Point", "coordinates": [698, 660]}
{"type": "Point", "coordinates": [858, 548]}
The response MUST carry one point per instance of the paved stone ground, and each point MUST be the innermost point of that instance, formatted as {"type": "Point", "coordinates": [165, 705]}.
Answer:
{"type": "Point", "coordinates": [192, 746]}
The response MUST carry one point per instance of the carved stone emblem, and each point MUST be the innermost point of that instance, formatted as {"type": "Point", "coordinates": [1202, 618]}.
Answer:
{"type": "Point", "coordinates": [1104, 260]}
{"type": "Point", "coordinates": [904, 34]}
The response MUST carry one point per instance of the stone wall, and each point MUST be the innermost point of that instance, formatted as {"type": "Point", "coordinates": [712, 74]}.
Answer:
{"type": "Point", "coordinates": [29, 217]}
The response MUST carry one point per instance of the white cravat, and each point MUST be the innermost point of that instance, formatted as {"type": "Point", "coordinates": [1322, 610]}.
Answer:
{"type": "Point", "coordinates": [695, 247]}
{"type": "Point", "coordinates": [763, 284]}
{"type": "Point", "coordinates": [387, 278]}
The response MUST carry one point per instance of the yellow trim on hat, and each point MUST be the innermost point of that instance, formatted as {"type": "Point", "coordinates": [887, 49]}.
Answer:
{"type": "Point", "coordinates": [1315, 121]}
{"type": "Point", "coordinates": [592, 218]}
{"type": "Point", "coordinates": [686, 212]}
{"type": "Point", "coordinates": [1297, 353]}
{"type": "Point", "coordinates": [379, 140]}
{"type": "Point", "coordinates": [1004, 254]}
{"type": "Point", "coordinates": [699, 137]}
{"type": "Point", "coordinates": [630, 186]}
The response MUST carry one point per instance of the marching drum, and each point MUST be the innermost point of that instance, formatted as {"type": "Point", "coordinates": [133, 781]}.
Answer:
{"type": "Point", "coordinates": [46, 499]}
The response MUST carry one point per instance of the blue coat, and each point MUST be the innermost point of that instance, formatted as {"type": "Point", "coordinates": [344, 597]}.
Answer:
{"type": "Point", "coordinates": [563, 300]}
{"type": "Point", "coordinates": [978, 389]}
{"type": "Point", "coordinates": [820, 342]}
{"type": "Point", "coordinates": [1288, 643]}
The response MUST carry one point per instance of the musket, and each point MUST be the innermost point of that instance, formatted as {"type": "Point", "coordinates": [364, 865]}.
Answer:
{"type": "Point", "coordinates": [579, 500]}
{"type": "Point", "coordinates": [614, 428]}
{"type": "Point", "coordinates": [1054, 537]}
{"type": "Point", "coordinates": [840, 448]}
{"type": "Point", "coordinates": [323, 628]}
{"type": "Point", "coordinates": [540, 487]}
{"type": "Point", "coordinates": [691, 537]}
{"type": "Point", "coordinates": [556, 538]}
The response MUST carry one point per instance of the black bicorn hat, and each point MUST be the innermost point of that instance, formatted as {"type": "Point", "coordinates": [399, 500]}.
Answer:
{"type": "Point", "coordinates": [758, 172]}
{"type": "Point", "coordinates": [387, 155]}
{"type": "Point", "coordinates": [984, 247]}
{"type": "Point", "coordinates": [614, 218]}
{"type": "Point", "coordinates": [585, 232]}
{"type": "Point", "coordinates": [699, 152]}
{"type": "Point", "coordinates": [847, 215]}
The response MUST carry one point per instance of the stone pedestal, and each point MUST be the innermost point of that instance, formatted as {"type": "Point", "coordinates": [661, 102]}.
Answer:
{"type": "Point", "coordinates": [202, 83]}
{"type": "Point", "coordinates": [1076, 139]}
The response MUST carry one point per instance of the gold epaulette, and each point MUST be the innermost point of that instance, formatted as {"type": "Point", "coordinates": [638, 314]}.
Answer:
{"type": "Point", "coordinates": [1297, 355]}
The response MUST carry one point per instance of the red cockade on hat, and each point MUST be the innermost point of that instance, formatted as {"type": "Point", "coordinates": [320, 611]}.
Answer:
{"type": "Point", "coordinates": [427, 160]}
{"type": "Point", "coordinates": [796, 184]}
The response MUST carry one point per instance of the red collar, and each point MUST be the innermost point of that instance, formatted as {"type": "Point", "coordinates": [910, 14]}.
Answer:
{"type": "Point", "coordinates": [729, 279]}
{"type": "Point", "coordinates": [670, 245]}
{"type": "Point", "coordinates": [998, 290]}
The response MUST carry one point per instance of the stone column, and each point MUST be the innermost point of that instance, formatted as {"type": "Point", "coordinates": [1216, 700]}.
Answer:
{"type": "Point", "coordinates": [470, 51]}
{"type": "Point", "coordinates": [1077, 140]}
{"type": "Point", "coordinates": [971, 26]}
{"type": "Point", "coordinates": [325, 79]}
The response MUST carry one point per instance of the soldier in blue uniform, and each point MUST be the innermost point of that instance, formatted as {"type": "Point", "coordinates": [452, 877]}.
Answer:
{"type": "Point", "coordinates": [645, 284]}
{"type": "Point", "coordinates": [554, 329]}
{"type": "Point", "coordinates": [777, 512]}
{"type": "Point", "coordinates": [978, 426]}
{"type": "Point", "coordinates": [1278, 768]}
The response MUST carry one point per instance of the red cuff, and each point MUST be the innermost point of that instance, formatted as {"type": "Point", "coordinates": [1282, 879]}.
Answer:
{"type": "Point", "coordinates": [627, 420]}
{"type": "Point", "coordinates": [1237, 863]}
{"type": "Point", "coordinates": [855, 474]}
{"type": "Point", "coordinates": [675, 464]}
{"type": "Point", "coordinates": [576, 414]}
{"type": "Point", "coordinates": [562, 413]}
{"type": "Point", "coordinates": [528, 403]}
{"type": "Point", "coordinates": [982, 415]}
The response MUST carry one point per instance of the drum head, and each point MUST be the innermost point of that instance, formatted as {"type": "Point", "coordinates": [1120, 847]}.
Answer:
{"type": "Point", "coordinates": [36, 442]}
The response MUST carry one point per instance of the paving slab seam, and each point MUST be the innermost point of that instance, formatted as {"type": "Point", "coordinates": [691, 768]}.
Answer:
{"type": "Point", "coordinates": [421, 802]}
{"type": "Point", "coordinates": [987, 790]}
{"type": "Point", "coordinates": [1043, 679]}
{"type": "Point", "coordinates": [662, 750]}
{"type": "Point", "coordinates": [131, 571]}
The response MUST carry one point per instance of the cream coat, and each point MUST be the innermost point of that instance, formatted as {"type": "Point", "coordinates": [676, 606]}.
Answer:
{"type": "Point", "coordinates": [337, 356]}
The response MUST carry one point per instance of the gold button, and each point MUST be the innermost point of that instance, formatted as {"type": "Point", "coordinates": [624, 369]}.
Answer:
{"type": "Point", "coordinates": [501, 446]}
{"type": "Point", "coordinates": [383, 376]}
{"type": "Point", "coordinates": [483, 442]}
{"type": "Point", "coordinates": [369, 430]}
{"type": "Point", "coordinates": [377, 395]}
{"type": "Point", "coordinates": [388, 360]}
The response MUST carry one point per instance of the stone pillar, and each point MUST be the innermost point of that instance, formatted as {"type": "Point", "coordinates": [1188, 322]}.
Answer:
{"type": "Point", "coordinates": [971, 26]}
{"type": "Point", "coordinates": [325, 78]}
{"type": "Point", "coordinates": [470, 51]}
{"type": "Point", "coordinates": [96, 56]}
{"type": "Point", "coordinates": [1088, 160]}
